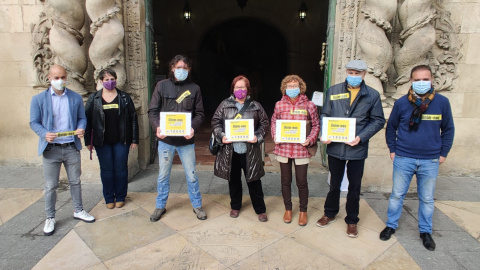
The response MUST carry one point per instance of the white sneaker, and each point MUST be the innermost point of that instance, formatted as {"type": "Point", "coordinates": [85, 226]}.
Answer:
{"type": "Point", "coordinates": [49, 228]}
{"type": "Point", "coordinates": [83, 215]}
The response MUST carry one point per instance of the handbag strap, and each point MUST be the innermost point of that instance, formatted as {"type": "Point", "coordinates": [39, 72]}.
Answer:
{"type": "Point", "coordinates": [244, 108]}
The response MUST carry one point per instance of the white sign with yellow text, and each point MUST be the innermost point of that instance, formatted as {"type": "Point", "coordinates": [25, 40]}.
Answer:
{"type": "Point", "coordinates": [175, 123]}
{"type": "Point", "coordinates": [239, 130]}
{"type": "Point", "coordinates": [290, 131]}
{"type": "Point", "coordinates": [338, 129]}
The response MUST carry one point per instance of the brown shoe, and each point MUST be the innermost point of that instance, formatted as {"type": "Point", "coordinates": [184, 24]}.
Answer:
{"type": "Point", "coordinates": [234, 213]}
{"type": "Point", "coordinates": [263, 217]}
{"type": "Point", "coordinates": [302, 219]}
{"type": "Point", "coordinates": [119, 204]}
{"type": "Point", "coordinates": [110, 205]}
{"type": "Point", "coordinates": [352, 230]}
{"type": "Point", "coordinates": [287, 217]}
{"type": "Point", "coordinates": [324, 221]}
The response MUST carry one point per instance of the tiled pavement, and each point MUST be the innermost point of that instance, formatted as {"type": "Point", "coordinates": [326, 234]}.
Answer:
{"type": "Point", "coordinates": [125, 238]}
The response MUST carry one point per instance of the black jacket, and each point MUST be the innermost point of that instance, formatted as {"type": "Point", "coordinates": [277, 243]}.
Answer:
{"type": "Point", "coordinates": [366, 109]}
{"type": "Point", "coordinates": [223, 162]}
{"type": "Point", "coordinates": [128, 123]}
{"type": "Point", "coordinates": [164, 99]}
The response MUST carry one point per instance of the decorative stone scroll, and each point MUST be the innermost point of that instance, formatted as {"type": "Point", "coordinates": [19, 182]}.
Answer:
{"type": "Point", "coordinates": [444, 57]}
{"type": "Point", "coordinates": [105, 49]}
{"type": "Point", "coordinates": [43, 57]}
{"type": "Point", "coordinates": [417, 40]}
{"type": "Point", "coordinates": [375, 48]}
{"type": "Point", "coordinates": [346, 49]}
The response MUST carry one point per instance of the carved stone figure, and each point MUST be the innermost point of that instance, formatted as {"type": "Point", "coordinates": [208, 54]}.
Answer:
{"type": "Point", "coordinates": [375, 48]}
{"type": "Point", "coordinates": [108, 35]}
{"type": "Point", "coordinates": [417, 40]}
{"type": "Point", "coordinates": [445, 55]}
{"type": "Point", "coordinates": [66, 40]}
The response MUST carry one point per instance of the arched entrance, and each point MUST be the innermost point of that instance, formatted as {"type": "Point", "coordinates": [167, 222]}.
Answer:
{"type": "Point", "coordinates": [242, 46]}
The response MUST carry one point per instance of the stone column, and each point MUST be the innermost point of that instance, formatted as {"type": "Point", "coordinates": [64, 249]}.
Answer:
{"type": "Point", "coordinates": [375, 48]}
{"type": "Point", "coordinates": [108, 35]}
{"type": "Point", "coordinates": [66, 40]}
{"type": "Point", "coordinates": [417, 39]}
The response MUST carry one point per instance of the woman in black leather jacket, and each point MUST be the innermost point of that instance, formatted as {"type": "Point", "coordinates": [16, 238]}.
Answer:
{"type": "Point", "coordinates": [233, 157]}
{"type": "Point", "coordinates": [112, 129]}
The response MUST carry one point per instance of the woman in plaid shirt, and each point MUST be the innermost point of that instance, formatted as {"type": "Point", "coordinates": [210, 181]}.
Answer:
{"type": "Point", "coordinates": [295, 105]}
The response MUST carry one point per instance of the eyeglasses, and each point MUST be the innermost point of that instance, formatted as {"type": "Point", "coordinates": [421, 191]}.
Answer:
{"type": "Point", "coordinates": [239, 88]}
{"type": "Point", "coordinates": [292, 86]}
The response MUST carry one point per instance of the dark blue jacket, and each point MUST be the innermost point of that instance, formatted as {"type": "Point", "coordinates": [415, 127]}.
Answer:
{"type": "Point", "coordinates": [434, 136]}
{"type": "Point", "coordinates": [366, 109]}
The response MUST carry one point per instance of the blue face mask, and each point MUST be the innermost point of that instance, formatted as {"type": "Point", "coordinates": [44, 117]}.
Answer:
{"type": "Point", "coordinates": [181, 74]}
{"type": "Point", "coordinates": [421, 87]}
{"type": "Point", "coordinates": [292, 93]}
{"type": "Point", "coordinates": [354, 81]}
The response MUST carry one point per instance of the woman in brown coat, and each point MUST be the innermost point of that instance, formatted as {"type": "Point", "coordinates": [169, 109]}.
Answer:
{"type": "Point", "coordinates": [234, 157]}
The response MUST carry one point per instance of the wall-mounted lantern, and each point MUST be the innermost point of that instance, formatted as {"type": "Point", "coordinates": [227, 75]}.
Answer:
{"type": "Point", "coordinates": [302, 12]}
{"type": "Point", "coordinates": [187, 12]}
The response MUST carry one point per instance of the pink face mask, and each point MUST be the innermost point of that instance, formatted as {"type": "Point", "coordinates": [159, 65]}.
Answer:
{"type": "Point", "coordinates": [110, 85]}
{"type": "Point", "coordinates": [240, 94]}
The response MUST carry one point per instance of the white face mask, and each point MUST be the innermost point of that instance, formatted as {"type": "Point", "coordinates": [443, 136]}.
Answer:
{"type": "Point", "coordinates": [58, 84]}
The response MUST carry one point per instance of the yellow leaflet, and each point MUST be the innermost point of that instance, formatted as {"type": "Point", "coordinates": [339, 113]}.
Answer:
{"type": "Point", "coordinates": [66, 133]}
{"type": "Point", "coordinates": [302, 112]}
{"type": "Point", "coordinates": [340, 96]}
{"type": "Point", "coordinates": [110, 106]}
{"type": "Point", "coordinates": [183, 96]}
{"type": "Point", "coordinates": [431, 117]}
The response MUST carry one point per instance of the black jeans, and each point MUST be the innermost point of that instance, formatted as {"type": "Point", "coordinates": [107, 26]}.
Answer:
{"type": "Point", "coordinates": [354, 174]}
{"type": "Point", "coordinates": [239, 162]}
{"type": "Point", "coordinates": [302, 184]}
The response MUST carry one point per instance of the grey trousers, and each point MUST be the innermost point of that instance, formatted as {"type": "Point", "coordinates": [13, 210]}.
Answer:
{"type": "Point", "coordinates": [53, 158]}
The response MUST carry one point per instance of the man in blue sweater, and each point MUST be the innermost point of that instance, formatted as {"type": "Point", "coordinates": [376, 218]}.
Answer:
{"type": "Point", "coordinates": [419, 135]}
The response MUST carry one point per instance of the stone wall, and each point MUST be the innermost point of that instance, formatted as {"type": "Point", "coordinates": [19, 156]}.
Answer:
{"type": "Point", "coordinates": [18, 143]}
{"type": "Point", "coordinates": [455, 23]}
{"type": "Point", "coordinates": [22, 32]}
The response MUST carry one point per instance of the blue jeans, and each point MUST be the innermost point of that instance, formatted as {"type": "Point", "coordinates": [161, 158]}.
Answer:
{"type": "Point", "coordinates": [186, 153]}
{"type": "Point", "coordinates": [113, 160]}
{"type": "Point", "coordinates": [53, 158]}
{"type": "Point", "coordinates": [403, 170]}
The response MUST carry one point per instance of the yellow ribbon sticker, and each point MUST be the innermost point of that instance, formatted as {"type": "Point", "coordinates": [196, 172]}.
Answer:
{"type": "Point", "coordinates": [340, 96]}
{"type": "Point", "coordinates": [66, 133]}
{"type": "Point", "coordinates": [183, 96]}
{"type": "Point", "coordinates": [434, 117]}
{"type": "Point", "coordinates": [301, 112]}
{"type": "Point", "coordinates": [110, 106]}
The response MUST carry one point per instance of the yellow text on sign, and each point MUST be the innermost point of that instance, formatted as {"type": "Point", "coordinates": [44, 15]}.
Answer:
{"type": "Point", "coordinates": [110, 106]}
{"type": "Point", "coordinates": [183, 96]}
{"type": "Point", "coordinates": [239, 130]}
{"type": "Point", "coordinates": [175, 124]}
{"type": "Point", "coordinates": [340, 96]}
{"type": "Point", "coordinates": [338, 130]}
{"type": "Point", "coordinates": [301, 112]}
{"type": "Point", "coordinates": [431, 117]}
{"type": "Point", "coordinates": [66, 133]}
{"type": "Point", "coordinates": [290, 131]}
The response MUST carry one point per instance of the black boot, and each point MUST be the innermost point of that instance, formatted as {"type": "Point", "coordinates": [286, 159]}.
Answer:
{"type": "Point", "coordinates": [428, 242]}
{"type": "Point", "coordinates": [386, 233]}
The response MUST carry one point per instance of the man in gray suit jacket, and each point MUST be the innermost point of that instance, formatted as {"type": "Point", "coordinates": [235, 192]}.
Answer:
{"type": "Point", "coordinates": [57, 116]}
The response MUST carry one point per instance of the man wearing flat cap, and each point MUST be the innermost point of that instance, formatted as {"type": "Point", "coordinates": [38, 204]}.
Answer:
{"type": "Point", "coordinates": [350, 99]}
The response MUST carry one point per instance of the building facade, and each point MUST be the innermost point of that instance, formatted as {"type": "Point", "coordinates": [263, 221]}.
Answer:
{"type": "Point", "coordinates": [264, 39]}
